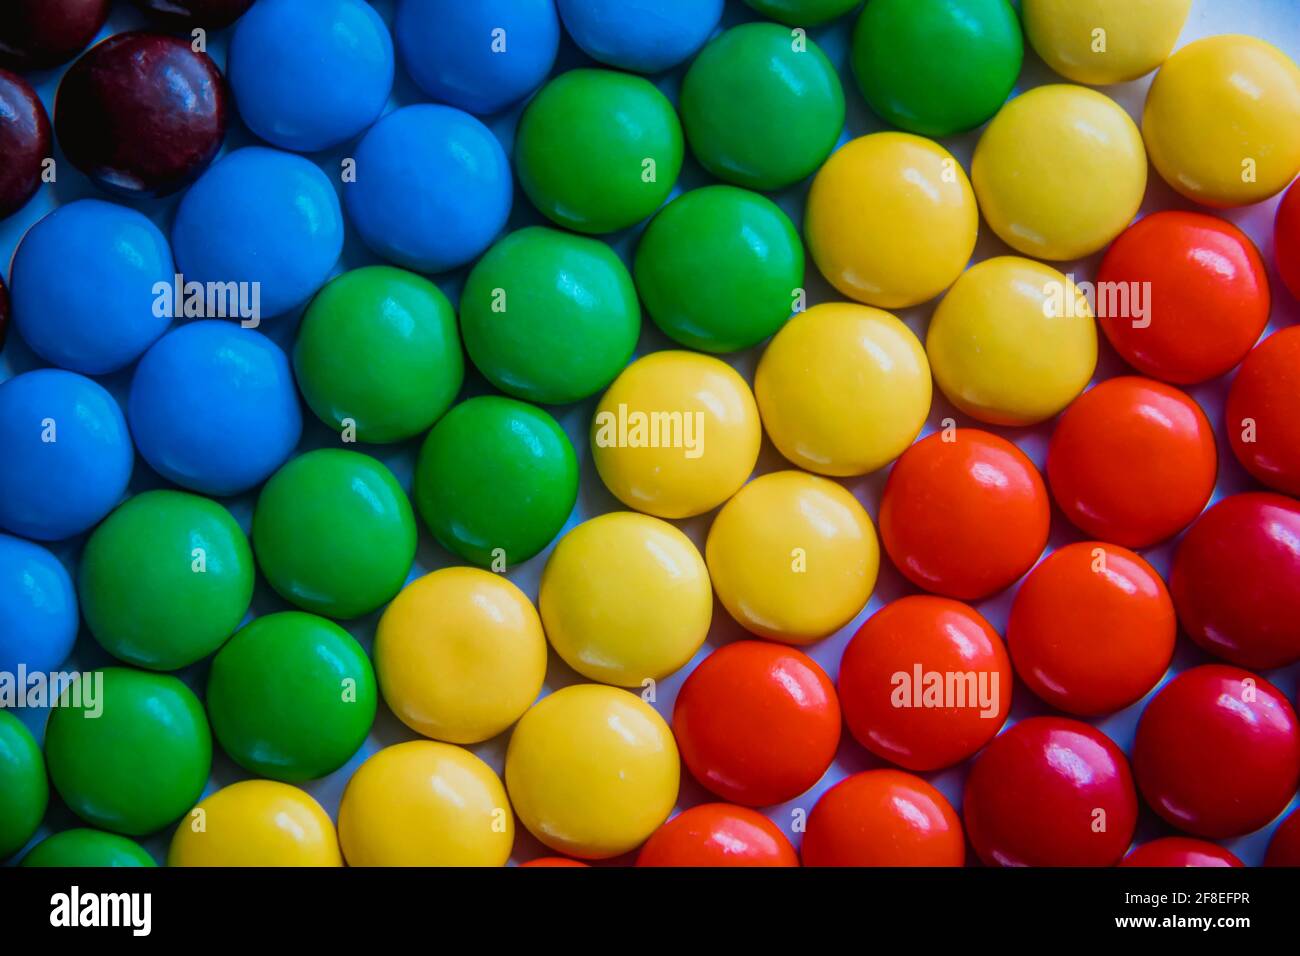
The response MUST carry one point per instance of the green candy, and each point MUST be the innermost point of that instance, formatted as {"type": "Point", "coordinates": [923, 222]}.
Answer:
{"type": "Point", "coordinates": [719, 268]}
{"type": "Point", "coordinates": [597, 151]}
{"type": "Point", "coordinates": [496, 474]}
{"type": "Point", "coordinates": [378, 347]}
{"type": "Point", "coordinates": [141, 763]}
{"type": "Point", "coordinates": [550, 317]}
{"type": "Point", "coordinates": [87, 848]}
{"type": "Point", "coordinates": [291, 696]}
{"type": "Point", "coordinates": [805, 13]}
{"type": "Point", "coordinates": [334, 533]}
{"type": "Point", "coordinates": [24, 790]}
{"type": "Point", "coordinates": [762, 109]}
{"type": "Point", "coordinates": [937, 68]}
{"type": "Point", "coordinates": [165, 579]}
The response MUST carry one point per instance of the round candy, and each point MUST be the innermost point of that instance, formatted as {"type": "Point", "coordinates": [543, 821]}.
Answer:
{"type": "Point", "coordinates": [86, 284]}
{"type": "Point", "coordinates": [758, 723]}
{"type": "Point", "coordinates": [883, 818]}
{"type": "Point", "coordinates": [142, 114]}
{"type": "Point", "coordinates": [268, 221]}
{"type": "Point", "coordinates": [422, 803]}
{"type": "Point", "coordinates": [1101, 42]}
{"type": "Point", "coordinates": [129, 751]}
{"type": "Point", "coordinates": [256, 823]}
{"type": "Point", "coordinates": [213, 407]}
{"type": "Point", "coordinates": [334, 533]}
{"type": "Point", "coordinates": [38, 604]}
{"type": "Point", "coordinates": [24, 789]}
{"type": "Point", "coordinates": [1263, 412]}
{"type": "Point", "coordinates": [496, 480]}
{"type": "Point", "coordinates": [625, 599]}
{"type": "Point", "coordinates": [460, 655]}
{"type": "Point", "coordinates": [24, 141]}
{"type": "Point", "coordinates": [1217, 752]}
{"type": "Point", "coordinates": [1050, 792]}
{"type": "Point", "coordinates": [1236, 580]}
{"type": "Point", "coordinates": [873, 392]}
{"type": "Point", "coordinates": [1060, 172]}
{"type": "Point", "coordinates": [378, 350]}
{"type": "Point", "coordinates": [891, 220]}
{"type": "Point", "coordinates": [964, 514]}
{"type": "Point", "coordinates": [719, 268]}
{"type": "Point", "coordinates": [1188, 296]}
{"type": "Point", "coordinates": [801, 118]}
{"type": "Point", "coordinates": [717, 834]}
{"type": "Point", "coordinates": [68, 454]}
{"type": "Point", "coordinates": [1286, 239]}
{"type": "Point", "coordinates": [548, 316]}
{"type": "Point", "coordinates": [1013, 342]}
{"type": "Point", "coordinates": [479, 57]}
{"type": "Point", "coordinates": [83, 848]}
{"type": "Point", "coordinates": [1180, 852]}
{"type": "Point", "coordinates": [1132, 461]}
{"type": "Point", "coordinates": [793, 557]}
{"type": "Point", "coordinates": [165, 579]}
{"type": "Point", "coordinates": [648, 36]}
{"type": "Point", "coordinates": [555, 862]}
{"type": "Point", "coordinates": [187, 14]}
{"type": "Point", "coordinates": [291, 696]}
{"type": "Point", "coordinates": [937, 69]}
{"type": "Point", "coordinates": [676, 435]}
{"type": "Point", "coordinates": [432, 188]}
{"type": "Point", "coordinates": [598, 151]}
{"type": "Point", "coordinates": [1092, 629]}
{"type": "Point", "coordinates": [326, 86]}
{"type": "Point", "coordinates": [925, 682]}
{"type": "Point", "coordinates": [805, 13]}
{"type": "Point", "coordinates": [1284, 848]}
{"type": "Point", "coordinates": [40, 34]}
{"type": "Point", "coordinates": [1222, 120]}
{"type": "Point", "coordinates": [592, 771]}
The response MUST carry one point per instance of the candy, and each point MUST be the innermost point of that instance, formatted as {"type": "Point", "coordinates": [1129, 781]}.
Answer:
{"type": "Point", "coordinates": [40, 34]}
{"type": "Point", "coordinates": [83, 847]}
{"type": "Point", "coordinates": [213, 407]}
{"type": "Point", "coordinates": [291, 696]}
{"type": "Point", "coordinates": [807, 13]}
{"type": "Point", "coordinates": [460, 655]}
{"type": "Point", "coordinates": [432, 188]}
{"type": "Point", "coordinates": [24, 142]}
{"type": "Point", "coordinates": [719, 268]}
{"type": "Point", "coordinates": [648, 36]}
{"type": "Point", "coordinates": [1286, 239]}
{"type": "Point", "coordinates": [793, 557]}
{"type": "Point", "coordinates": [873, 392]}
{"type": "Point", "coordinates": [256, 823]}
{"type": "Point", "coordinates": [38, 605]}
{"type": "Point", "coordinates": [1180, 851]}
{"type": "Point", "coordinates": [801, 118]}
{"type": "Point", "coordinates": [891, 220]}
{"type": "Point", "coordinates": [1101, 42]}
{"type": "Point", "coordinates": [187, 14]}
{"type": "Point", "coordinates": [1284, 848]}
{"type": "Point", "coordinates": [555, 862]}
{"type": "Point", "coordinates": [4, 312]}
{"type": "Point", "coordinates": [642, 616]}
{"type": "Point", "coordinates": [24, 790]}
{"type": "Point", "coordinates": [1262, 414]}
{"type": "Point", "coordinates": [1059, 172]}
{"type": "Point", "coordinates": [757, 723]}
{"type": "Point", "coordinates": [716, 834]}
{"type": "Point", "coordinates": [592, 771]}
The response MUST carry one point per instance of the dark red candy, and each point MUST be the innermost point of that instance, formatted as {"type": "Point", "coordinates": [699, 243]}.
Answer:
{"type": "Point", "coordinates": [142, 113]}
{"type": "Point", "coordinates": [213, 14]}
{"type": "Point", "coordinates": [24, 142]}
{"type": "Point", "coordinates": [39, 34]}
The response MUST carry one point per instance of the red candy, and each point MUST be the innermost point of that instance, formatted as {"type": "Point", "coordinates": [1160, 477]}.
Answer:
{"type": "Point", "coordinates": [925, 682]}
{"type": "Point", "coordinates": [757, 723]}
{"type": "Point", "coordinates": [556, 862]}
{"type": "Point", "coordinates": [964, 517]}
{"type": "Point", "coordinates": [1050, 792]}
{"type": "Point", "coordinates": [883, 818]}
{"type": "Point", "coordinates": [1263, 410]}
{"type": "Point", "coordinates": [24, 142]}
{"type": "Point", "coordinates": [1132, 461]}
{"type": "Point", "coordinates": [1180, 851]}
{"type": "Point", "coordinates": [1217, 752]}
{"type": "Point", "coordinates": [717, 834]}
{"type": "Point", "coordinates": [1286, 238]}
{"type": "Point", "coordinates": [39, 34]}
{"type": "Point", "coordinates": [1284, 848]}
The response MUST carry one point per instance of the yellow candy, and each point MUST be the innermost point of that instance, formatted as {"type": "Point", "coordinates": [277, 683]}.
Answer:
{"type": "Point", "coordinates": [891, 219]}
{"type": "Point", "coordinates": [256, 823]}
{"type": "Point", "coordinates": [1013, 342]}
{"type": "Point", "coordinates": [1060, 172]}
{"type": "Point", "coordinates": [1222, 120]}
{"type": "Point", "coordinates": [843, 389]}
{"type": "Point", "coordinates": [424, 803]}
{"type": "Point", "coordinates": [626, 598]}
{"type": "Point", "coordinates": [676, 434]}
{"type": "Point", "coordinates": [592, 771]}
{"type": "Point", "coordinates": [460, 654]}
{"type": "Point", "coordinates": [793, 557]}
{"type": "Point", "coordinates": [1104, 41]}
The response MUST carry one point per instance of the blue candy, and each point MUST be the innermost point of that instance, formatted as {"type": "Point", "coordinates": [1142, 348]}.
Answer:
{"type": "Point", "coordinates": [648, 36]}
{"type": "Point", "coordinates": [65, 454]}
{"type": "Point", "coordinates": [479, 57]}
{"type": "Point", "coordinates": [85, 282]}
{"type": "Point", "coordinates": [38, 607]}
{"type": "Point", "coordinates": [260, 216]}
{"type": "Point", "coordinates": [309, 74]}
{"type": "Point", "coordinates": [432, 189]}
{"type": "Point", "coordinates": [213, 407]}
